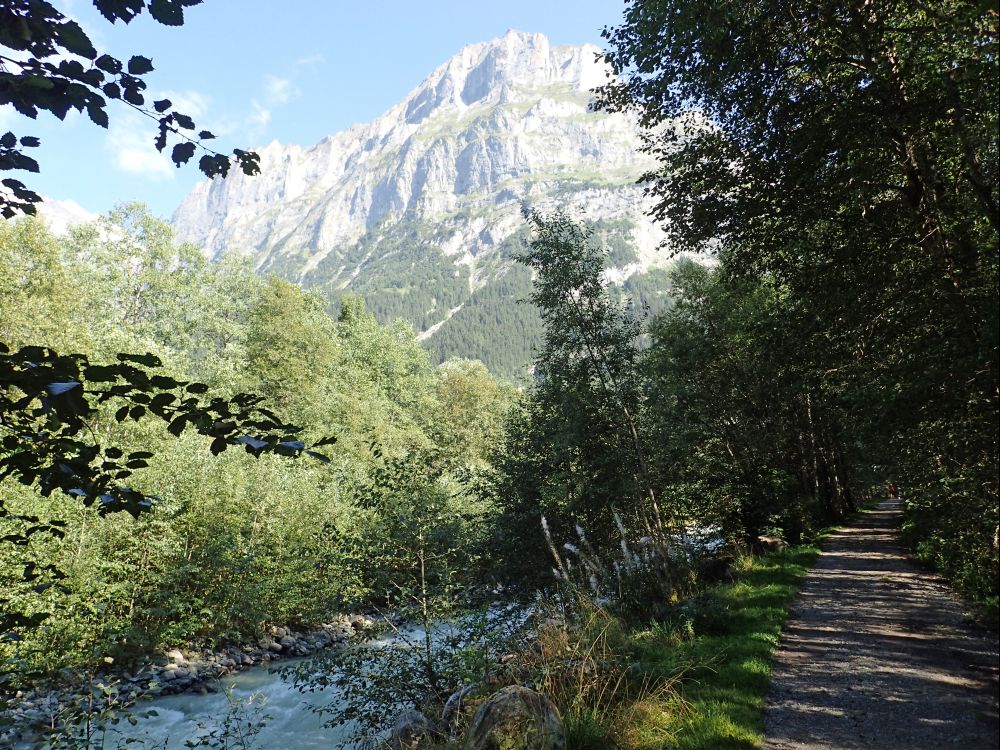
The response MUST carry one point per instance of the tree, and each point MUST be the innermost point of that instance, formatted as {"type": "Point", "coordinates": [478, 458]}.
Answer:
{"type": "Point", "coordinates": [576, 451]}
{"type": "Point", "coordinates": [48, 63]}
{"type": "Point", "coordinates": [743, 435]}
{"type": "Point", "coordinates": [48, 402]}
{"type": "Point", "coordinates": [847, 153]}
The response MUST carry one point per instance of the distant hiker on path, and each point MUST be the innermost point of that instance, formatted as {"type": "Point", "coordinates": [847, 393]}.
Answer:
{"type": "Point", "coordinates": [893, 491]}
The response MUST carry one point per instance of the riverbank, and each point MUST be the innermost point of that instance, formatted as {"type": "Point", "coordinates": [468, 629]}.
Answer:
{"type": "Point", "coordinates": [172, 672]}
{"type": "Point", "coordinates": [710, 656]}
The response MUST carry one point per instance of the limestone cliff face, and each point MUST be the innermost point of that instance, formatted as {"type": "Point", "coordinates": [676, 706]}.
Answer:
{"type": "Point", "coordinates": [500, 124]}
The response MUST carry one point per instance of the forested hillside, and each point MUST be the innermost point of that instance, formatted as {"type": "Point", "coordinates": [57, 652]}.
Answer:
{"type": "Point", "coordinates": [235, 541]}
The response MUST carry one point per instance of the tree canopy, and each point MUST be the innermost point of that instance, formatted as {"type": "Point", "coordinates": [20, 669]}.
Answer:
{"type": "Point", "coordinates": [847, 155]}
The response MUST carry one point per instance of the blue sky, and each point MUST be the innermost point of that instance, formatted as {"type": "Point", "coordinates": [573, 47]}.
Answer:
{"type": "Point", "coordinates": [253, 71]}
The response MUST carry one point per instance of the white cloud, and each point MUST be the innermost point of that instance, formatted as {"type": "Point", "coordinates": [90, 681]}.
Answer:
{"type": "Point", "coordinates": [261, 115]}
{"type": "Point", "coordinates": [130, 141]}
{"type": "Point", "coordinates": [316, 59]}
{"type": "Point", "coordinates": [278, 90]}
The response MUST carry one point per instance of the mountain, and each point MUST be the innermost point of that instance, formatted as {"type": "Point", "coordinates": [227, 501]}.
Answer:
{"type": "Point", "coordinates": [419, 210]}
{"type": "Point", "coordinates": [61, 215]}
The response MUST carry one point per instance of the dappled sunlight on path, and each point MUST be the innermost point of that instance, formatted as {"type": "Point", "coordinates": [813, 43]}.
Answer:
{"type": "Point", "coordinates": [878, 653]}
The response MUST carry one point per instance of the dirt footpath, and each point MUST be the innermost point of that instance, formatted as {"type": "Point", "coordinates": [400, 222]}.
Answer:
{"type": "Point", "coordinates": [878, 653]}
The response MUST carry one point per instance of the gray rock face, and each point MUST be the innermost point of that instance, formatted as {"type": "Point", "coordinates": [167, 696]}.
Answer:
{"type": "Point", "coordinates": [501, 122]}
{"type": "Point", "coordinates": [418, 210]}
{"type": "Point", "coordinates": [516, 717]}
{"type": "Point", "coordinates": [411, 731]}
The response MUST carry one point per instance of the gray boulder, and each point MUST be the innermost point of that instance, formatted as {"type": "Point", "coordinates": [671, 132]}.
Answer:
{"type": "Point", "coordinates": [411, 731]}
{"type": "Point", "coordinates": [516, 717]}
{"type": "Point", "coordinates": [769, 543]}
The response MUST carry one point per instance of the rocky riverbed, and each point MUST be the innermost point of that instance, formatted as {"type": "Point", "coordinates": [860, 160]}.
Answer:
{"type": "Point", "coordinates": [175, 671]}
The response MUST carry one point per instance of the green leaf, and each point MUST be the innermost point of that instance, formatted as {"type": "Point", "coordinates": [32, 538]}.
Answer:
{"type": "Point", "coordinates": [74, 40]}
{"type": "Point", "coordinates": [167, 12]}
{"type": "Point", "coordinates": [182, 152]}
{"type": "Point", "coordinates": [97, 114]}
{"type": "Point", "coordinates": [149, 360]}
{"type": "Point", "coordinates": [139, 65]}
{"type": "Point", "coordinates": [109, 64]}
{"type": "Point", "coordinates": [177, 426]}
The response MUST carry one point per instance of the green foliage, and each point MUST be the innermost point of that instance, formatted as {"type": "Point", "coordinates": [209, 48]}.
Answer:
{"type": "Point", "coordinates": [574, 452]}
{"type": "Point", "coordinates": [234, 542]}
{"type": "Point", "coordinates": [746, 437]}
{"type": "Point", "coordinates": [33, 32]}
{"type": "Point", "coordinates": [879, 239]}
{"type": "Point", "coordinates": [418, 547]}
{"type": "Point", "coordinates": [721, 643]}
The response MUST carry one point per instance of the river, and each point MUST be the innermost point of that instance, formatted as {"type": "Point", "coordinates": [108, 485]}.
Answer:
{"type": "Point", "coordinates": [288, 722]}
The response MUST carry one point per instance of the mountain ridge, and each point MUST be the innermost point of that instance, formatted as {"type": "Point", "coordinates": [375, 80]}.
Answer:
{"type": "Point", "coordinates": [420, 209]}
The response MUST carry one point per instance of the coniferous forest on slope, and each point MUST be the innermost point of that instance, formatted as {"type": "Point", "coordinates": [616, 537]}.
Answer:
{"type": "Point", "coordinates": [845, 335]}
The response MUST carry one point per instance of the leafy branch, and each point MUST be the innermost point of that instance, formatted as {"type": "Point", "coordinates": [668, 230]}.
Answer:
{"type": "Point", "coordinates": [80, 78]}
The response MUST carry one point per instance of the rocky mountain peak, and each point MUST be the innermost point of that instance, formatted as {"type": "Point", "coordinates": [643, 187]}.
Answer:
{"type": "Point", "coordinates": [439, 180]}
{"type": "Point", "coordinates": [489, 72]}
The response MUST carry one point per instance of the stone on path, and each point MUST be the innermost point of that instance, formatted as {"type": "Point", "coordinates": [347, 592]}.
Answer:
{"type": "Point", "coordinates": [879, 653]}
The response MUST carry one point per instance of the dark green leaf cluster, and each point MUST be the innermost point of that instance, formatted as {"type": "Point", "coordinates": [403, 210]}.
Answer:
{"type": "Point", "coordinates": [48, 400]}
{"type": "Point", "coordinates": [51, 65]}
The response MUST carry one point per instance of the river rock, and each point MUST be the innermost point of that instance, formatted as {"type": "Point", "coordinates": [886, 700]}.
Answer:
{"type": "Point", "coordinates": [176, 657]}
{"type": "Point", "coordinates": [359, 622]}
{"type": "Point", "coordinates": [516, 717]}
{"type": "Point", "coordinates": [769, 543]}
{"type": "Point", "coordinates": [411, 731]}
{"type": "Point", "coordinates": [453, 707]}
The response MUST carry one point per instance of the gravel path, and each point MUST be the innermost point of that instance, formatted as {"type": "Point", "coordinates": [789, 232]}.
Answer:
{"type": "Point", "coordinates": [878, 653]}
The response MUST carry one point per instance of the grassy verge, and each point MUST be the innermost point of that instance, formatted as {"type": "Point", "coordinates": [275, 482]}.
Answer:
{"type": "Point", "coordinates": [720, 643]}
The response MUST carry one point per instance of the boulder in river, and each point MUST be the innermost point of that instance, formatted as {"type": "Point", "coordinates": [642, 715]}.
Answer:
{"type": "Point", "coordinates": [176, 657]}
{"type": "Point", "coordinates": [516, 717]}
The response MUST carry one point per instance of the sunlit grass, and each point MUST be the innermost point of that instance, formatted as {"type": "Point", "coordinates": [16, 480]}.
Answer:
{"type": "Point", "coordinates": [720, 643]}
